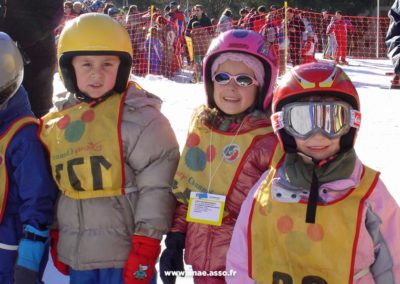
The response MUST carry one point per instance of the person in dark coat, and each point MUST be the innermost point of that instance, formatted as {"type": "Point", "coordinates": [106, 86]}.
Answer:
{"type": "Point", "coordinates": [393, 42]}
{"type": "Point", "coordinates": [322, 26]}
{"type": "Point", "coordinates": [31, 24]}
{"type": "Point", "coordinates": [199, 16]}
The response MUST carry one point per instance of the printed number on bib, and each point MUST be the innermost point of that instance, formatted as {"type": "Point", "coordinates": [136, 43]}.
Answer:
{"type": "Point", "coordinates": [84, 173]}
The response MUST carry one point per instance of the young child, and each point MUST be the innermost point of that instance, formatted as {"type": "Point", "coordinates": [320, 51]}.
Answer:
{"type": "Point", "coordinates": [308, 50]}
{"type": "Point", "coordinates": [154, 51]}
{"type": "Point", "coordinates": [318, 215]}
{"type": "Point", "coordinates": [27, 191]}
{"type": "Point", "coordinates": [113, 155]}
{"type": "Point", "coordinates": [229, 145]}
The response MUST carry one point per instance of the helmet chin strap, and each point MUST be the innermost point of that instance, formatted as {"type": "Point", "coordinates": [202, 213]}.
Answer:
{"type": "Point", "coordinates": [93, 101]}
{"type": "Point", "coordinates": [314, 187]}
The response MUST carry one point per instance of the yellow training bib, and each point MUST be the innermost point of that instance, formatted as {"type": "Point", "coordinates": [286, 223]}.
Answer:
{"type": "Point", "coordinates": [212, 159]}
{"type": "Point", "coordinates": [85, 148]}
{"type": "Point", "coordinates": [285, 249]}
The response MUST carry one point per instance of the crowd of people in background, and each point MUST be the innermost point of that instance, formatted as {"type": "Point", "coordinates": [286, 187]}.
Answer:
{"type": "Point", "coordinates": [166, 40]}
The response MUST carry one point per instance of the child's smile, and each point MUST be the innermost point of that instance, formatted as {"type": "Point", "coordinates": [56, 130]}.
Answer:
{"type": "Point", "coordinates": [318, 146]}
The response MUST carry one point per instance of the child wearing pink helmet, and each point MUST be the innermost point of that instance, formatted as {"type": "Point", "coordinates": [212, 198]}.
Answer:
{"type": "Point", "coordinates": [229, 145]}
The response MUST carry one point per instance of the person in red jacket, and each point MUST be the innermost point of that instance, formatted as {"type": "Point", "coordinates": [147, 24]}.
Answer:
{"type": "Point", "coordinates": [229, 144]}
{"type": "Point", "coordinates": [340, 27]}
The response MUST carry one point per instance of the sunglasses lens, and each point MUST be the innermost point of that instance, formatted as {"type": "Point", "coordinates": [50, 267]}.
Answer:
{"type": "Point", "coordinates": [241, 80]}
{"type": "Point", "coordinates": [244, 81]}
{"type": "Point", "coordinates": [222, 78]}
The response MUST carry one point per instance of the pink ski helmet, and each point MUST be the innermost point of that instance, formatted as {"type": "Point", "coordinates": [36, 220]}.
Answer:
{"type": "Point", "coordinates": [249, 42]}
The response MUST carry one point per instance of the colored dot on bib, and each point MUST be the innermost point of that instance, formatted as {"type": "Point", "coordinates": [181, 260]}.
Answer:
{"type": "Point", "coordinates": [63, 122]}
{"type": "Point", "coordinates": [284, 224]}
{"type": "Point", "coordinates": [74, 131]}
{"type": "Point", "coordinates": [88, 116]}
{"type": "Point", "coordinates": [193, 140]}
{"type": "Point", "coordinates": [195, 159]}
{"type": "Point", "coordinates": [315, 232]}
{"type": "Point", "coordinates": [298, 243]}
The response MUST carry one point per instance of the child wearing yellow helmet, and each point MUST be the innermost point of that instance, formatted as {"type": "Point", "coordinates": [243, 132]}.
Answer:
{"type": "Point", "coordinates": [113, 155]}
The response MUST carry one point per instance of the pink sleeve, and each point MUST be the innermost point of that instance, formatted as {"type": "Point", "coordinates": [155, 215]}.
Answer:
{"type": "Point", "coordinates": [385, 206]}
{"type": "Point", "coordinates": [378, 244]}
{"type": "Point", "coordinates": [237, 258]}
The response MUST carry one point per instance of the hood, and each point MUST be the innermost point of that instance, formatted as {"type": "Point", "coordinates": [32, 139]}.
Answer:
{"type": "Point", "coordinates": [138, 97]}
{"type": "Point", "coordinates": [17, 106]}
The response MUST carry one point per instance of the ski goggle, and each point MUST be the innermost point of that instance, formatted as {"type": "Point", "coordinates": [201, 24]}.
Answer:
{"type": "Point", "coordinates": [242, 80]}
{"type": "Point", "coordinates": [304, 119]}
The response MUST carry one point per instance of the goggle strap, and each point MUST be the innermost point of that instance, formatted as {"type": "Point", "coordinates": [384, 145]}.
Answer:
{"type": "Point", "coordinates": [312, 200]}
{"type": "Point", "coordinates": [277, 121]}
{"type": "Point", "coordinates": [355, 118]}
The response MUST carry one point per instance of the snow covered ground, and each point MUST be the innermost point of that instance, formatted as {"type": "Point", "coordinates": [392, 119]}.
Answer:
{"type": "Point", "coordinates": [378, 140]}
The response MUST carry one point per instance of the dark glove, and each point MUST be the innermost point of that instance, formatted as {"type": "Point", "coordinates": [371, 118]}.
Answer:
{"type": "Point", "coordinates": [24, 275]}
{"type": "Point", "coordinates": [61, 267]}
{"type": "Point", "coordinates": [172, 257]}
{"type": "Point", "coordinates": [30, 252]}
{"type": "Point", "coordinates": [140, 265]}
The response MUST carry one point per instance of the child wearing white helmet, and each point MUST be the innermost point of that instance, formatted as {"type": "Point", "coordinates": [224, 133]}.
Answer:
{"type": "Point", "coordinates": [113, 155]}
{"type": "Point", "coordinates": [319, 215]}
{"type": "Point", "coordinates": [229, 145]}
{"type": "Point", "coordinates": [27, 191]}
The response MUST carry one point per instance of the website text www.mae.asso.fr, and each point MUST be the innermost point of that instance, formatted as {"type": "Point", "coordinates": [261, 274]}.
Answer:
{"type": "Point", "coordinates": [200, 273]}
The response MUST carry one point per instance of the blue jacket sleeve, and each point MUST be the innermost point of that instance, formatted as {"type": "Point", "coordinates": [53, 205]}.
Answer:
{"type": "Point", "coordinates": [393, 36]}
{"type": "Point", "coordinates": [30, 173]}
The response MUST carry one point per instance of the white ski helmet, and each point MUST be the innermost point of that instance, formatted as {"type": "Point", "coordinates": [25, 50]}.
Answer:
{"type": "Point", "coordinates": [11, 68]}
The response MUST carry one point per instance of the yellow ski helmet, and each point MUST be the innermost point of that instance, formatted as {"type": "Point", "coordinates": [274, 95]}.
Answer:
{"type": "Point", "coordinates": [93, 34]}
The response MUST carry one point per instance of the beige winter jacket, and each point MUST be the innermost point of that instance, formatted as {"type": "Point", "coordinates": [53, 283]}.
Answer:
{"type": "Point", "coordinates": [95, 233]}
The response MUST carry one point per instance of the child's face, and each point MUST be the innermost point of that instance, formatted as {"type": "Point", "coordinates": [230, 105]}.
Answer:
{"type": "Point", "coordinates": [96, 74]}
{"type": "Point", "coordinates": [319, 146]}
{"type": "Point", "coordinates": [231, 98]}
